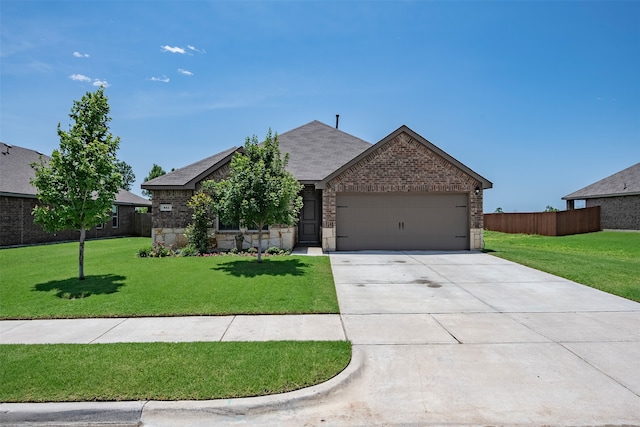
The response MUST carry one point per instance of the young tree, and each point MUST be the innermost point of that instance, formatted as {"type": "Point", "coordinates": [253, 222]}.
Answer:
{"type": "Point", "coordinates": [155, 172]}
{"type": "Point", "coordinates": [78, 186]}
{"type": "Point", "coordinates": [128, 177]}
{"type": "Point", "coordinates": [259, 191]}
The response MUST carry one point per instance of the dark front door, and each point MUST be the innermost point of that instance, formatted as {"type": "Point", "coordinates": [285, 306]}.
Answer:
{"type": "Point", "coordinates": [310, 216]}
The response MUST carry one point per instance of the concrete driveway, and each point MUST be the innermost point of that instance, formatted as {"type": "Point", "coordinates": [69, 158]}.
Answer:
{"type": "Point", "coordinates": [456, 339]}
{"type": "Point", "coordinates": [464, 339]}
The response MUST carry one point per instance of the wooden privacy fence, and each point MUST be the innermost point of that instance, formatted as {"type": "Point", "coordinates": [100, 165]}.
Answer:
{"type": "Point", "coordinates": [562, 223]}
{"type": "Point", "coordinates": [141, 224]}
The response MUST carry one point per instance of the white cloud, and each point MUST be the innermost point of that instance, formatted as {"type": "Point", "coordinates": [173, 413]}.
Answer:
{"type": "Point", "coordinates": [79, 78]}
{"type": "Point", "coordinates": [99, 83]}
{"type": "Point", "coordinates": [163, 79]}
{"type": "Point", "coordinates": [193, 48]}
{"type": "Point", "coordinates": [80, 55]}
{"type": "Point", "coordinates": [185, 72]}
{"type": "Point", "coordinates": [175, 49]}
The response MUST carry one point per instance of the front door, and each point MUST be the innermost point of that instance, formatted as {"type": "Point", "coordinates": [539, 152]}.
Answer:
{"type": "Point", "coordinates": [310, 216]}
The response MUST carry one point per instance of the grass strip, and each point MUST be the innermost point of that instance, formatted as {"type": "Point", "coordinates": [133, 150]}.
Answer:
{"type": "Point", "coordinates": [609, 261]}
{"type": "Point", "coordinates": [165, 371]}
{"type": "Point", "coordinates": [41, 282]}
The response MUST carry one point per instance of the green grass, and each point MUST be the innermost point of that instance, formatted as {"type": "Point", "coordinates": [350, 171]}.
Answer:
{"type": "Point", "coordinates": [41, 282]}
{"type": "Point", "coordinates": [165, 371]}
{"type": "Point", "coordinates": [609, 261]}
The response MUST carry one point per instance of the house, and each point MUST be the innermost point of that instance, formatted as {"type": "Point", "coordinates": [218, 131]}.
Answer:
{"type": "Point", "coordinates": [618, 197]}
{"type": "Point", "coordinates": [18, 198]}
{"type": "Point", "coordinates": [402, 193]}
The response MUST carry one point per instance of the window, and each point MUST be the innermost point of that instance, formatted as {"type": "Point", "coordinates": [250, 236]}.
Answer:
{"type": "Point", "coordinates": [99, 226]}
{"type": "Point", "coordinates": [236, 227]}
{"type": "Point", "coordinates": [114, 216]}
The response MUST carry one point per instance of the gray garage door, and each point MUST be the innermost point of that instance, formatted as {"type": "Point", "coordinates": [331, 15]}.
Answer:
{"type": "Point", "coordinates": [402, 221]}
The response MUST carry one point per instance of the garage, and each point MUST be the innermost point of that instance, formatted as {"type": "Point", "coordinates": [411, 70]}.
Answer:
{"type": "Point", "coordinates": [402, 221]}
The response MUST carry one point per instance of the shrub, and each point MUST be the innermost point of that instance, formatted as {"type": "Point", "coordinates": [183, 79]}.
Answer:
{"type": "Point", "coordinates": [157, 250]}
{"type": "Point", "coordinates": [189, 250]}
{"type": "Point", "coordinates": [274, 250]}
{"type": "Point", "coordinates": [145, 252]}
{"type": "Point", "coordinates": [198, 231]}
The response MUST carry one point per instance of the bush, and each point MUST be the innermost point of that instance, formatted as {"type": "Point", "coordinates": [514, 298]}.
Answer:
{"type": "Point", "coordinates": [145, 252]}
{"type": "Point", "coordinates": [157, 250]}
{"type": "Point", "coordinates": [197, 232]}
{"type": "Point", "coordinates": [274, 250]}
{"type": "Point", "coordinates": [189, 250]}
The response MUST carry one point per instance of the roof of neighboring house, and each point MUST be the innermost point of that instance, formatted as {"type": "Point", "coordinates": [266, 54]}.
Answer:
{"type": "Point", "coordinates": [404, 129]}
{"type": "Point", "coordinates": [188, 176]}
{"type": "Point", "coordinates": [624, 183]}
{"type": "Point", "coordinates": [316, 150]}
{"type": "Point", "coordinates": [16, 174]}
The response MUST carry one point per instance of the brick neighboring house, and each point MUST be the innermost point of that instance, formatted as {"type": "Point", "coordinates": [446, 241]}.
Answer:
{"type": "Point", "coordinates": [18, 198]}
{"type": "Point", "coordinates": [617, 195]}
{"type": "Point", "coordinates": [402, 193]}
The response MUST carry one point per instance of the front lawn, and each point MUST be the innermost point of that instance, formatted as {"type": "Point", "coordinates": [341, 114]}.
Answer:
{"type": "Point", "coordinates": [165, 371]}
{"type": "Point", "coordinates": [609, 261]}
{"type": "Point", "coordinates": [41, 282]}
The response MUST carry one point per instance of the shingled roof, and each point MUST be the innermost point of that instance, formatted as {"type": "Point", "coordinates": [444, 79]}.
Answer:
{"type": "Point", "coordinates": [623, 183]}
{"type": "Point", "coordinates": [315, 150]}
{"type": "Point", "coordinates": [16, 174]}
{"type": "Point", "coordinates": [188, 176]}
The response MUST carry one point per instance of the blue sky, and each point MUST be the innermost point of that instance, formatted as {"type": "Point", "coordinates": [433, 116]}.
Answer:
{"type": "Point", "coordinates": [542, 98]}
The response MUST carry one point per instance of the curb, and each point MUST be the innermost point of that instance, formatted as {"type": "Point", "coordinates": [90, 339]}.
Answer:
{"type": "Point", "coordinates": [134, 413]}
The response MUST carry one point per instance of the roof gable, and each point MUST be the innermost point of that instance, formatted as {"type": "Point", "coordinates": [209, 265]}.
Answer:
{"type": "Point", "coordinates": [382, 144]}
{"type": "Point", "coordinates": [16, 174]}
{"type": "Point", "coordinates": [623, 183]}
{"type": "Point", "coordinates": [187, 177]}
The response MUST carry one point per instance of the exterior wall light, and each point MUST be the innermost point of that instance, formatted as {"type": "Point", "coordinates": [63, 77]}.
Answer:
{"type": "Point", "coordinates": [477, 191]}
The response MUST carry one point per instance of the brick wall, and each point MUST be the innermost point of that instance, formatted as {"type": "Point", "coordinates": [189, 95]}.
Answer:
{"type": "Point", "coordinates": [17, 226]}
{"type": "Point", "coordinates": [400, 165]}
{"type": "Point", "coordinates": [180, 214]}
{"type": "Point", "coordinates": [618, 213]}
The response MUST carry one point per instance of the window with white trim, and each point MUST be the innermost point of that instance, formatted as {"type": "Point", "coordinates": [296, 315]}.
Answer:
{"type": "Point", "coordinates": [114, 216]}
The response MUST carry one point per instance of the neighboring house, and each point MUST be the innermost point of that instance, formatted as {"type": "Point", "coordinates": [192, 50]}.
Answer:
{"type": "Point", "coordinates": [18, 198]}
{"type": "Point", "coordinates": [402, 193]}
{"type": "Point", "coordinates": [618, 197]}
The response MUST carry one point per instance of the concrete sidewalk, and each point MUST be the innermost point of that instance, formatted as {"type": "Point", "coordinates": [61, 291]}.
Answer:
{"type": "Point", "coordinates": [438, 339]}
{"type": "Point", "coordinates": [173, 329]}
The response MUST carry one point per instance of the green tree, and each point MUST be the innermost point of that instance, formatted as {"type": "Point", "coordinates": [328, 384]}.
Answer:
{"type": "Point", "coordinates": [155, 172]}
{"type": "Point", "coordinates": [550, 208]}
{"type": "Point", "coordinates": [128, 177]}
{"type": "Point", "coordinates": [259, 191]}
{"type": "Point", "coordinates": [77, 187]}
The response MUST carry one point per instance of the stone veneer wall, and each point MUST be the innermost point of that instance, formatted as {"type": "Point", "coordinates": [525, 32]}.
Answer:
{"type": "Point", "coordinates": [281, 237]}
{"type": "Point", "coordinates": [618, 213]}
{"type": "Point", "coordinates": [402, 165]}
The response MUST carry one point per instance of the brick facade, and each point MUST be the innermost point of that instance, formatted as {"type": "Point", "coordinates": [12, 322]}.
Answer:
{"type": "Point", "coordinates": [17, 226]}
{"type": "Point", "coordinates": [402, 165]}
{"type": "Point", "coordinates": [618, 213]}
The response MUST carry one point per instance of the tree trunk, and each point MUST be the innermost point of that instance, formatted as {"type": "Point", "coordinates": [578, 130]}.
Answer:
{"type": "Point", "coordinates": [83, 233]}
{"type": "Point", "coordinates": [260, 243]}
